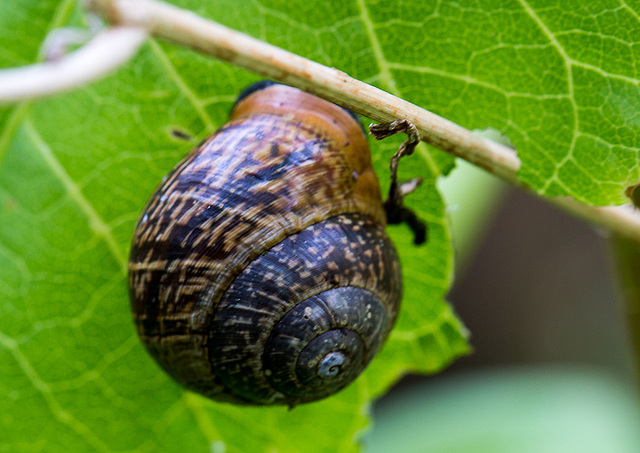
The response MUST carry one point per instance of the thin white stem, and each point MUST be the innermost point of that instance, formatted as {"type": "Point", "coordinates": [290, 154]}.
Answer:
{"type": "Point", "coordinates": [186, 28]}
{"type": "Point", "coordinates": [104, 53]}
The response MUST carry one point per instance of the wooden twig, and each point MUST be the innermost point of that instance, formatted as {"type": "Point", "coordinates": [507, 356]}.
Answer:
{"type": "Point", "coordinates": [188, 29]}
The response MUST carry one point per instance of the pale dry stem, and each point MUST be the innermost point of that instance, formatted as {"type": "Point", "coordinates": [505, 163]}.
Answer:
{"type": "Point", "coordinates": [135, 18]}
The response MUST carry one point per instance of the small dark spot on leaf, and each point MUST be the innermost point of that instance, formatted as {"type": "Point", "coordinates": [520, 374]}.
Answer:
{"type": "Point", "coordinates": [181, 134]}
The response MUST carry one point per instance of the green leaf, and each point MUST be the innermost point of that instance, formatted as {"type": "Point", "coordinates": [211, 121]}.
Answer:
{"type": "Point", "coordinates": [560, 78]}
{"type": "Point", "coordinates": [76, 169]}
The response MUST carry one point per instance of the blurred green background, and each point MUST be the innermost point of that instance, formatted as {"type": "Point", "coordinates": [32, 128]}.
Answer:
{"type": "Point", "coordinates": [551, 370]}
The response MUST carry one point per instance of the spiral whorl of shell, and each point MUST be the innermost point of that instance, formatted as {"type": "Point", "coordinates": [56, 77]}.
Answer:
{"type": "Point", "coordinates": [260, 271]}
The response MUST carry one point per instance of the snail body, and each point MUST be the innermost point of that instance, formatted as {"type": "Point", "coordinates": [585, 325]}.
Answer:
{"type": "Point", "coordinates": [260, 271]}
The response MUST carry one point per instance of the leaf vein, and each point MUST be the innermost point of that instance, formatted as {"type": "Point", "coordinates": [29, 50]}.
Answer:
{"type": "Point", "coordinates": [568, 65]}
{"type": "Point", "coordinates": [178, 80]}
{"type": "Point", "coordinates": [56, 409]}
{"type": "Point", "coordinates": [96, 224]}
{"type": "Point", "coordinates": [385, 74]}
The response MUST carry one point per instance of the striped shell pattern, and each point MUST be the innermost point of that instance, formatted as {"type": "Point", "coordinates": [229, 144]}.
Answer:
{"type": "Point", "coordinates": [260, 271]}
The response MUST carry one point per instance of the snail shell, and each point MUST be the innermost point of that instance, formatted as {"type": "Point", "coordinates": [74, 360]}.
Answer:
{"type": "Point", "coordinates": [260, 271]}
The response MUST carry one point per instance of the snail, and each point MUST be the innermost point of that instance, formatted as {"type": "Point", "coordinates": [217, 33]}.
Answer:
{"type": "Point", "coordinates": [260, 271]}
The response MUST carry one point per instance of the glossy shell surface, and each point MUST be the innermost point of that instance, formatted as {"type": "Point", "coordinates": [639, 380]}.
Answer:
{"type": "Point", "coordinates": [260, 272]}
